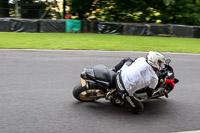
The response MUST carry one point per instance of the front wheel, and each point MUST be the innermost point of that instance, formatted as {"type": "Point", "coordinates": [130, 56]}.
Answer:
{"type": "Point", "coordinates": [88, 95]}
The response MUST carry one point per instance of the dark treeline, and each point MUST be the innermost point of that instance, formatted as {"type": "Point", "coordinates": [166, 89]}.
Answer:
{"type": "Point", "coordinates": [132, 11]}
{"type": "Point", "coordinates": [139, 11]}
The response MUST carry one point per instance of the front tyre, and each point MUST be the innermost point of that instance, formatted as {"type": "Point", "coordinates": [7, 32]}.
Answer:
{"type": "Point", "coordinates": [87, 95]}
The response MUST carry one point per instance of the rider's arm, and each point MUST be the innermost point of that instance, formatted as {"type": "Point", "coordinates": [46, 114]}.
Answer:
{"type": "Point", "coordinates": [149, 91]}
{"type": "Point", "coordinates": [121, 63]}
{"type": "Point", "coordinates": [152, 86]}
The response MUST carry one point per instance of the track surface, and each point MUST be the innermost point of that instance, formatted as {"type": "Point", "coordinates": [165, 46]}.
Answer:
{"type": "Point", "coordinates": [36, 95]}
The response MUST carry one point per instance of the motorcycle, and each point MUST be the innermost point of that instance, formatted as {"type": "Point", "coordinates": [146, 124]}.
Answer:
{"type": "Point", "coordinates": [99, 81]}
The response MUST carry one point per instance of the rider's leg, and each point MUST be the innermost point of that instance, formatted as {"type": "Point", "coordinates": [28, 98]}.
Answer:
{"type": "Point", "coordinates": [133, 101]}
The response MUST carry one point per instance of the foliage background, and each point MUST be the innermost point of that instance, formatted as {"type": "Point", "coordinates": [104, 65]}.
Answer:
{"type": "Point", "coordinates": [133, 11]}
{"type": "Point", "coordinates": [139, 11]}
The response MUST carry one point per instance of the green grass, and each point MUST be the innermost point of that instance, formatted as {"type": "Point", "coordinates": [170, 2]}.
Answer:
{"type": "Point", "coordinates": [97, 42]}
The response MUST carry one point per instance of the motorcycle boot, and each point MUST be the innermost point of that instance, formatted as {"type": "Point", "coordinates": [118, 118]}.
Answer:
{"type": "Point", "coordinates": [118, 100]}
{"type": "Point", "coordinates": [114, 98]}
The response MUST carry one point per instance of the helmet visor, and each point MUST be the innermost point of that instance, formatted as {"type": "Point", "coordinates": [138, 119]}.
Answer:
{"type": "Point", "coordinates": [161, 64]}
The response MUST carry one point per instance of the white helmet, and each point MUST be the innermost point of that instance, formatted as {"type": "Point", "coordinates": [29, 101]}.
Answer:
{"type": "Point", "coordinates": [155, 59]}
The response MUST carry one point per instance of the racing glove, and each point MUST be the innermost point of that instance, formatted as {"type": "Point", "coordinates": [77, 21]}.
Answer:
{"type": "Point", "coordinates": [149, 91]}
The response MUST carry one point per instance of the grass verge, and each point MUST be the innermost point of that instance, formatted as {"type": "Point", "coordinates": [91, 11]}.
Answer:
{"type": "Point", "coordinates": [10, 40]}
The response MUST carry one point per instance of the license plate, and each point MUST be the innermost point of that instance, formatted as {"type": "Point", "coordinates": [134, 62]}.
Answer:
{"type": "Point", "coordinates": [83, 82]}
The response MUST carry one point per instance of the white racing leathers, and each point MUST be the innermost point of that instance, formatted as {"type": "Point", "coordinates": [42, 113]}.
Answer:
{"type": "Point", "coordinates": [138, 75]}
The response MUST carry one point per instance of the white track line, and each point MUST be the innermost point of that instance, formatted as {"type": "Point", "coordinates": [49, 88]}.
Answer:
{"type": "Point", "coordinates": [49, 50]}
{"type": "Point", "coordinates": [195, 131]}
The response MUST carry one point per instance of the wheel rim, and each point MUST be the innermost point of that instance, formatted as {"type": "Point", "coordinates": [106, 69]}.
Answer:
{"type": "Point", "coordinates": [97, 93]}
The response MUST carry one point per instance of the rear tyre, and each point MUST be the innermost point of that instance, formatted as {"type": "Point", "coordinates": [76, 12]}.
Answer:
{"type": "Point", "coordinates": [87, 95]}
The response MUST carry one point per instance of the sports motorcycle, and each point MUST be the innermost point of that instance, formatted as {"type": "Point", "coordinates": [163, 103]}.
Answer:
{"type": "Point", "coordinates": [99, 81]}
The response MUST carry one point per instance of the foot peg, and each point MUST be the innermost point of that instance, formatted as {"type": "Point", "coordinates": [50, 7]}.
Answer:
{"type": "Point", "coordinates": [109, 94]}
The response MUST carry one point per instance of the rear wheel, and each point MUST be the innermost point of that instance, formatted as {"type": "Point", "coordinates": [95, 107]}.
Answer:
{"type": "Point", "coordinates": [88, 95]}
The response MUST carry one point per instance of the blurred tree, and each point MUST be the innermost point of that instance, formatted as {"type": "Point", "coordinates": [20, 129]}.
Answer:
{"type": "Point", "coordinates": [37, 9]}
{"type": "Point", "coordinates": [32, 8]}
{"type": "Point", "coordinates": [142, 11]}
{"type": "Point", "coordinates": [27, 1]}
{"type": "Point", "coordinates": [179, 12]}
{"type": "Point", "coordinates": [80, 7]}
{"type": "Point", "coordinates": [4, 8]}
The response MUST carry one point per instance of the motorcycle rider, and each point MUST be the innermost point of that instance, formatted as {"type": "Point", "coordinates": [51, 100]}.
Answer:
{"type": "Point", "coordinates": [138, 75]}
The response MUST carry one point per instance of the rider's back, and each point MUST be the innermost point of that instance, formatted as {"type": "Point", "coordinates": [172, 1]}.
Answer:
{"type": "Point", "coordinates": [138, 75]}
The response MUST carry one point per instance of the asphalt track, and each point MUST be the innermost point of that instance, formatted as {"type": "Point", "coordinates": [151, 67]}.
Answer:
{"type": "Point", "coordinates": [36, 95]}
